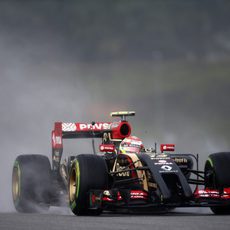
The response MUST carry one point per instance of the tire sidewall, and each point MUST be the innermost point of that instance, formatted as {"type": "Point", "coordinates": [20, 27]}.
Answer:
{"type": "Point", "coordinates": [218, 164]}
{"type": "Point", "coordinates": [91, 173]}
{"type": "Point", "coordinates": [34, 183]}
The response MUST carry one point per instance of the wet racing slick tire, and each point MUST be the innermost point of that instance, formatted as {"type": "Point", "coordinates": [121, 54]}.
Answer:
{"type": "Point", "coordinates": [87, 172]}
{"type": "Point", "coordinates": [31, 181]}
{"type": "Point", "coordinates": [217, 176]}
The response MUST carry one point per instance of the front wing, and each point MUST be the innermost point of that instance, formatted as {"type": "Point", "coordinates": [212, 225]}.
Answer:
{"type": "Point", "coordinates": [140, 199]}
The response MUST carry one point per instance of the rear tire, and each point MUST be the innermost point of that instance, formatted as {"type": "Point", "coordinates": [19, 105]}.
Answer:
{"type": "Point", "coordinates": [87, 172]}
{"type": "Point", "coordinates": [217, 176]}
{"type": "Point", "coordinates": [31, 183]}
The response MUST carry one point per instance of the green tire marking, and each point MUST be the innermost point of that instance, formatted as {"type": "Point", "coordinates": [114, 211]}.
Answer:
{"type": "Point", "coordinates": [77, 178]}
{"type": "Point", "coordinates": [77, 174]}
{"type": "Point", "coordinates": [210, 161]}
{"type": "Point", "coordinates": [73, 205]}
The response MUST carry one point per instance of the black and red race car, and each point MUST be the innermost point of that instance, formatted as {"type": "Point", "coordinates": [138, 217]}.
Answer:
{"type": "Point", "coordinates": [111, 180]}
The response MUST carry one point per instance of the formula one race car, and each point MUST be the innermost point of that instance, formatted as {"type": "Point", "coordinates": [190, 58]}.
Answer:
{"type": "Point", "coordinates": [122, 176]}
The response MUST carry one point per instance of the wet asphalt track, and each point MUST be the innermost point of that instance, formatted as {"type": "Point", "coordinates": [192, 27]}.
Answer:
{"type": "Point", "coordinates": [192, 219]}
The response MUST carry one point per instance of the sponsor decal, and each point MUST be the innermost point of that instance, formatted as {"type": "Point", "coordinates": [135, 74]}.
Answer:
{"type": "Point", "coordinates": [213, 193]}
{"type": "Point", "coordinates": [167, 147]}
{"type": "Point", "coordinates": [107, 148]}
{"type": "Point", "coordinates": [57, 140]}
{"type": "Point", "coordinates": [162, 156]}
{"type": "Point", "coordinates": [96, 127]}
{"type": "Point", "coordinates": [120, 168]}
{"type": "Point", "coordinates": [166, 163]}
{"type": "Point", "coordinates": [138, 194]}
{"type": "Point", "coordinates": [180, 160]}
{"type": "Point", "coordinates": [166, 167]}
{"type": "Point", "coordinates": [162, 161]}
{"type": "Point", "coordinates": [69, 127]}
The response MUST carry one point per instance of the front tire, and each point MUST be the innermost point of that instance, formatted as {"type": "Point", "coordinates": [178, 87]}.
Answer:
{"type": "Point", "coordinates": [217, 176]}
{"type": "Point", "coordinates": [31, 183]}
{"type": "Point", "coordinates": [87, 172]}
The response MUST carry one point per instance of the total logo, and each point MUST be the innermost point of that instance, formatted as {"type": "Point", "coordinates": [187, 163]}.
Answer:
{"type": "Point", "coordinates": [166, 167]}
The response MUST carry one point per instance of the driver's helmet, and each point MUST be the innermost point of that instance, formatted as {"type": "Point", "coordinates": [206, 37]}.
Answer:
{"type": "Point", "coordinates": [131, 144]}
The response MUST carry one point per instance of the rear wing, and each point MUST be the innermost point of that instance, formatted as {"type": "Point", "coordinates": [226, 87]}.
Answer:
{"type": "Point", "coordinates": [115, 131]}
{"type": "Point", "coordinates": [110, 132]}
